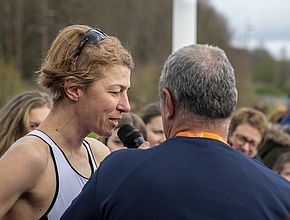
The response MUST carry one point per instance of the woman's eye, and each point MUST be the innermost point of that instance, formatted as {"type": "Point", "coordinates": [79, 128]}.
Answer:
{"type": "Point", "coordinates": [157, 132]}
{"type": "Point", "coordinates": [117, 142]}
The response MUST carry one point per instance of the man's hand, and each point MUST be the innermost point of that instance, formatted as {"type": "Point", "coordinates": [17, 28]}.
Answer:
{"type": "Point", "coordinates": [144, 145]}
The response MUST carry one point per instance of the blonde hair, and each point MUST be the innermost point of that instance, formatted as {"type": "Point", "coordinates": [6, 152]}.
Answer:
{"type": "Point", "coordinates": [14, 116]}
{"type": "Point", "coordinates": [91, 64]}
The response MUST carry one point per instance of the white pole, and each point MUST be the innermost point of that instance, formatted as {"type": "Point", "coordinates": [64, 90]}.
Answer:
{"type": "Point", "coordinates": [184, 23]}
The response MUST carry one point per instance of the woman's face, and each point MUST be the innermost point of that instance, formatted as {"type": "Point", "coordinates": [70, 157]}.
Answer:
{"type": "Point", "coordinates": [102, 104]}
{"type": "Point", "coordinates": [155, 132]}
{"type": "Point", "coordinates": [114, 143]}
{"type": "Point", "coordinates": [286, 171]}
{"type": "Point", "coordinates": [36, 116]}
{"type": "Point", "coordinates": [246, 139]}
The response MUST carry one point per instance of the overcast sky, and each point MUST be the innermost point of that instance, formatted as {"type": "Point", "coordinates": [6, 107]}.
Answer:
{"type": "Point", "coordinates": [258, 22]}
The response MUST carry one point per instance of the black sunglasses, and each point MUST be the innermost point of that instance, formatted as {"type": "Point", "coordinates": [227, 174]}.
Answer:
{"type": "Point", "coordinates": [91, 36]}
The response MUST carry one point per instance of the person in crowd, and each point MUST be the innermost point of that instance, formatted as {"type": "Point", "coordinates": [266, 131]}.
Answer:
{"type": "Point", "coordinates": [247, 132]}
{"type": "Point", "coordinates": [286, 119]}
{"type": "Point", "coordinates": [21, 115]}
{"type": "Point", "coordinates": [194, 174]}
{"type": "Point", "coordinates": [261, 105]}
{"type": "Point", "coordinates": [277, 142]}
{"type": "Point", "coordinates": [88, 76]}
{"type": "Point", "coordinates": [151, 115]}
{"type": "Point", "coordinates": [113, 142]}
{"type": "Point", "coordinates": [278, 115]}
{"type": "Point", "coordinates": [282, 165]}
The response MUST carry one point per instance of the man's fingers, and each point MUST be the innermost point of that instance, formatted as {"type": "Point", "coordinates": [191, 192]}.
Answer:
{"type": "Point", "coordinates": [144, 145]}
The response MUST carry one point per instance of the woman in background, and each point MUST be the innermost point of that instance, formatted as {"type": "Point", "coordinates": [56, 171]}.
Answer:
{"type": "Point", "coordinates": [151, 116]}
{"type": "Point", "coordinates": [113, 142]}
{"type": "Point", "coordinates": [282, 165]}
{"type": "Point", "coordinates": [21, 115]}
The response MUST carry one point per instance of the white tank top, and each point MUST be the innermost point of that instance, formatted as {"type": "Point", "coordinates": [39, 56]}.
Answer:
{"type": "Point", "coordinates": [69, 182]}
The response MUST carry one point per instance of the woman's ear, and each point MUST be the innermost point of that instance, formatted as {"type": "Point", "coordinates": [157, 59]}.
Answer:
{"type": "Point", "coordinates": [70, 89]}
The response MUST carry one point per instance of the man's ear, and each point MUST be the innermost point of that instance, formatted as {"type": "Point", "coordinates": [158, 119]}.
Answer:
{"type": "Point", "coordinates": [168, 104]}
{"type": "Point", "coordinates": [70, 89]}
{"type": "Point", "coordinates": [237, 94]}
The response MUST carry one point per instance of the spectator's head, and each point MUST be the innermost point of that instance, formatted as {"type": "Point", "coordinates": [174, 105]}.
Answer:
{"type": "Point", "coordinates": [261, 106]}
{"type": "Point", "coordinates": [80, 56]}
{"type": "Point", "coordinates": [278, 115]}
{"type": "Point", "coordinates": [151, 115]}
{"type": "Point", "coordinates": [277, 142]}
{"type": "Point", "coordinates": [21, 115]}
{"type": "Point", "coordinates": [113, 142]}
{"type": "Point", "coordinates": [282, 165]}
{"type": "Point", "coordinates": [200, 82]}
{"type": "Point", "coordinates": [248, 131]}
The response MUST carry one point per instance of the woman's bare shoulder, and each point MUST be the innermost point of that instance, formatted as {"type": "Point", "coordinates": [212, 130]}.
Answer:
{"type": "Point", "coordinates": [29, 150]}
{"type": "Point", "coordinates": [100, 150]}
{"type": "Point", "coordinates": [23, 165]}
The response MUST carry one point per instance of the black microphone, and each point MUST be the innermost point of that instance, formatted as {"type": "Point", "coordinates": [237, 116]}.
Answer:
{"type": "Point", "coordinates": [130, 136]}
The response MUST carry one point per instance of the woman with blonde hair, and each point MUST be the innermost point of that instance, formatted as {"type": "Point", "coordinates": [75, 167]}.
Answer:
{"type": "Point", "coordinates": [88, 75]}
{"type": "Point", "coordinates": [21, 115]}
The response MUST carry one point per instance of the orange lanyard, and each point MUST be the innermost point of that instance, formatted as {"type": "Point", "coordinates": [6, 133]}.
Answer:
{"type": "Point", "coordinates": [201, 135]}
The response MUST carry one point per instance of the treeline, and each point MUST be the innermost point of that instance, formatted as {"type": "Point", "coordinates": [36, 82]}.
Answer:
{"type": "Point", "coordinates": [144, 26]}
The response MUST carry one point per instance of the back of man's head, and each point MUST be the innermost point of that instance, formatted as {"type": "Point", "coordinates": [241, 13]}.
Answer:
{"type": "Point", "coordinates": [201, 82]}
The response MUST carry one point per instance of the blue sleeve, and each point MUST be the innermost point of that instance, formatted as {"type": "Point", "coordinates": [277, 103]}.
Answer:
{"type": "Point", "coordinates": [84, 205]}
{"type": "Point", "coordinates": [286, 119]}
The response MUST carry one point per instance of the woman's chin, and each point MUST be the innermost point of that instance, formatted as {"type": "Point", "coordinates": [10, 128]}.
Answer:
{"type": "Point", "coordinates": [106, 133]}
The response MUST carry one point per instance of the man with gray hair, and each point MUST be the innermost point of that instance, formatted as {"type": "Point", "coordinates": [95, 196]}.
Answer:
{"type": "Point", "coordinates": [194, 174]}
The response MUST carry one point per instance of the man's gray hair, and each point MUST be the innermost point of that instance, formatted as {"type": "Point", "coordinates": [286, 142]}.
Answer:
{"type": "Point", "coordinates": [201, 81]}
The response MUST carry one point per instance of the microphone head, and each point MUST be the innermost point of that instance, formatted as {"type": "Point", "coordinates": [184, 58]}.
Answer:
{"type": "Point", "coordinates": [130, 136]}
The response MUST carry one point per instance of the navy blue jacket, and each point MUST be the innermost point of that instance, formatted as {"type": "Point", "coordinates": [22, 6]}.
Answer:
{"type": "Point", "coordinates": [183, 178]}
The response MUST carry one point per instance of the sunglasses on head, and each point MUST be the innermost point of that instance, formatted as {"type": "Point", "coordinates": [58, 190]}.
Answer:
{"type": "Point", "coordinates": [91, 36]}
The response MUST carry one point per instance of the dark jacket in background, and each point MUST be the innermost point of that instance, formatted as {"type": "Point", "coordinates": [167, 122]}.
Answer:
{"type": "Point", "coordinates": [277, 142]}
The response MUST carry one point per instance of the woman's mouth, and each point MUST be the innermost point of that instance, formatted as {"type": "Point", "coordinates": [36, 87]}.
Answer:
{"type": "Point", "coordinates": [114, 122]}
